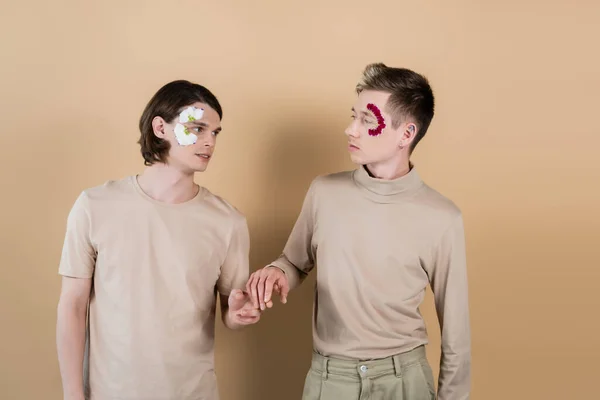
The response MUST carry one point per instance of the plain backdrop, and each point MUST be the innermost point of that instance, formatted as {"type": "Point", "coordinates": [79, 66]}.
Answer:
{"type": "Point", "coordinates": [513, 144]}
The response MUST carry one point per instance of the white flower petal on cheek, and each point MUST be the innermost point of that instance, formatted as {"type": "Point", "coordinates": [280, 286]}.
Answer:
{"type": "Point", "coordinates": [184, 136]}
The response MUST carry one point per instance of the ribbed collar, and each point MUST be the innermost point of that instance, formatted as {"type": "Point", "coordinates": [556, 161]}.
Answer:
{"type": "Point", "coordinates": [387, 191]}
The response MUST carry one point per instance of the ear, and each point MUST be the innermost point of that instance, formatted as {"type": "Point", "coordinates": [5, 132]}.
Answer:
{"type": "Point", "coordinates": [409, 132]}
{"type": "Point", "coordinates": [158, 127]}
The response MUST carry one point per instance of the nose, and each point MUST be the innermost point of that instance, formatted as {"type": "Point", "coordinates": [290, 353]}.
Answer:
{"type": "Point", "coordinates": [351, 130]}
{"type": "Point", "coordinates": [210, 141]}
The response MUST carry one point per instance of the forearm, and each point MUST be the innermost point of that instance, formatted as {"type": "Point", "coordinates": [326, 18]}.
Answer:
{"type": "Point", "coordinates": [455, 374]}
{"type": "Point", "coordinates": [298, 256]}
{"type": "Point", "coordinates": [450, 287]}
{"type": "Point", "coordinates": [455, 362]}
{"type": "Point", "coordinates": [70, 342]}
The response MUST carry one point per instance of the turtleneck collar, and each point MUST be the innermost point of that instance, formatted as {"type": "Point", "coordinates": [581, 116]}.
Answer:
{"type": "Point", "coordinates": [387, 191]}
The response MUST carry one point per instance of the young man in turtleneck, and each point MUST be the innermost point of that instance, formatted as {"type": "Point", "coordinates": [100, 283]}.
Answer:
{"type": "Point", "coordinates": [379, 236]}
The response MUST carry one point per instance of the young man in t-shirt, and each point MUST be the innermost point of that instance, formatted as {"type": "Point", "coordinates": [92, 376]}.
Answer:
{"type": "Point", "coordinates": [379, 236]}
{"type": "Point", "coordinates": [148, 254]}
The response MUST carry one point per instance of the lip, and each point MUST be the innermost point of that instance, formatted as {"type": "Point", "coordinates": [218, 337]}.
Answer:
{"type": "Point", "coordinates": [352, 147]}
{"type": "Point", "coordinates": [203, 156]}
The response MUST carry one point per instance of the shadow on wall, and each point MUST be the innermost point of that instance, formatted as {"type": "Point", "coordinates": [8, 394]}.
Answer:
{"type": "Point", "coordinates": [275, 354]}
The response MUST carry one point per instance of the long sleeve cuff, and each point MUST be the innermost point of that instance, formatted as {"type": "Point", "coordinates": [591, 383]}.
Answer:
{"type": "Point", "coordinates": [293, 274]}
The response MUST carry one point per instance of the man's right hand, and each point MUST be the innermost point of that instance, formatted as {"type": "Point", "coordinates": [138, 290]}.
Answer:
{"type": "Point", "coordinates": [264, 282]}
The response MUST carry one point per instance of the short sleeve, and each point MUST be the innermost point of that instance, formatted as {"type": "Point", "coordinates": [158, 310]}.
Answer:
{"type": "Point", "coordinates": [235, 268]}
{"type": "Point", "coordinates": [78, 257]}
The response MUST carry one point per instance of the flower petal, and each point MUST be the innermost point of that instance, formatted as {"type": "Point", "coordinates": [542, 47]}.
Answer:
{"type": "Point", "coordinates": [198, 113]}
{"type": "Point", "coordinates": [185, 114]}
{"type": "Point", "coordinates": [184, 136]}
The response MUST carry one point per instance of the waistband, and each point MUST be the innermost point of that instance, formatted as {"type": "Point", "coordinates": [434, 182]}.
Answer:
{"type": "Point", "coordinates": [368, 368]}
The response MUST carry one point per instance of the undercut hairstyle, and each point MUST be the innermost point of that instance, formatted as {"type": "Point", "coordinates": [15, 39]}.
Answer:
{"type": "Point", "coordinates": [411, 96]}
{"type": "Point", "coordinates": [168, 103]}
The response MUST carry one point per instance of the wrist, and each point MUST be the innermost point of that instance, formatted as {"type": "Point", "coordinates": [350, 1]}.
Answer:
{"type": "Point", "coordinates": [276, 267]}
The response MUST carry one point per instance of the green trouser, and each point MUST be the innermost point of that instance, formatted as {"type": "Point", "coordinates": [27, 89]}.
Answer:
{"type": "Point", "coordinates": [405, 376]}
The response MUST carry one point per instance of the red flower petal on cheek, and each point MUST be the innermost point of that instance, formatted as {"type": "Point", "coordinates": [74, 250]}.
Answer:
{"type": "Point", "coordinates": [380, 121]}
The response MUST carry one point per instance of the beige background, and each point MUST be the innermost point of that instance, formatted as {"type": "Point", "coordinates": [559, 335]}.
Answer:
{"type": "Point", "coordinates": [512, 144]}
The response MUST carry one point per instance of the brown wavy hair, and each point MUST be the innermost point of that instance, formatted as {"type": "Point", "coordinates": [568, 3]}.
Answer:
{"type": "Point", "coordinates": [167, 103]}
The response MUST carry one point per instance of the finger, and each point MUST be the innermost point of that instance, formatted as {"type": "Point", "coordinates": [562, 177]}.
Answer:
{"type": "Point", "coordinates": [250, 313]}
{"type": "Point", "coordinates": [253, 292]}
{"type": "Point", "coordinates": [247, 320]}
{"type": "Point", "coordinates": [261, 289]}
{"type": "Point", "coordinates": [236, 299]}
{"type": "Point", "coordinates": [276, 290]}
{"type": "Point", "coordinates": [237, 294]}
{"type": "Point", "coordinates": [285, 289]}
{"type": "Point", "coordinates": [269, 287]}
{"type": "Point", "coordinates": [269, 304]}
{"type": "Point", "coordinates": [249, 283]}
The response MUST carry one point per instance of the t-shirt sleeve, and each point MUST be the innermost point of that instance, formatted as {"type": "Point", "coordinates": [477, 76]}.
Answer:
{"type": "Point", "coordinates": [235, 268]}
{"type": "Point", "coordinates": [78, 258]}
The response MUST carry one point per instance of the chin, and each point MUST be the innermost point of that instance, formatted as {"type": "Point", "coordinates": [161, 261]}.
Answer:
{"type": "Point", "coordinates": [197, 167]}
{"type": "Point", "coordinates": [200, 169]}
{"type": "Point", "coordinates": [357, 160]}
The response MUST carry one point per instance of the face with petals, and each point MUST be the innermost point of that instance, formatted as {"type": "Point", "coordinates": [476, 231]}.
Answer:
{"type": "Point", "coordinates": [371, 137]}
{"type": "Point", "coordinates": [192, 136]}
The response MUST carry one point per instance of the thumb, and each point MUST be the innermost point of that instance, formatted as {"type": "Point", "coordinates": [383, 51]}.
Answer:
{"type": "Point", "coordinates": [237, 299]}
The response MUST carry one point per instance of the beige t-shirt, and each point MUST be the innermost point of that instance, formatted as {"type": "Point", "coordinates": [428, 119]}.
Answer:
{"type": "Point", "coordinates": [156, 270]}
{"type": "Point", "coordinates": [377, 245]}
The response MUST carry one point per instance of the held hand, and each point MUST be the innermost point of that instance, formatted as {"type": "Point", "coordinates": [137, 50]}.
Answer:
{"type": "Point", "coordinates": [241, 309]}
{"type": "Point", "coordinates": [263, 283]}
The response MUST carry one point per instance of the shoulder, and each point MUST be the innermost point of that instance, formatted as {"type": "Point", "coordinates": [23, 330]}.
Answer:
{"type": "Point", "coordinates": [95, 199]}
{"type": "Point", "coordinates": [109, 190]}
{"type": "Point", "coordinates": [223, 208]}
{"type": "Point", "coordinates": [334, 178]}
{"type": "Point", "coordinates": [437, 205]}
{"type": "Point", "coordinates": [332, 181]}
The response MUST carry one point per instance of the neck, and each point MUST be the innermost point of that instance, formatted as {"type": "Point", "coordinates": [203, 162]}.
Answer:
{"type": "Point", "coordinates": [167, 184]}
{"type": "Point", "coordinates": [390, 169]}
